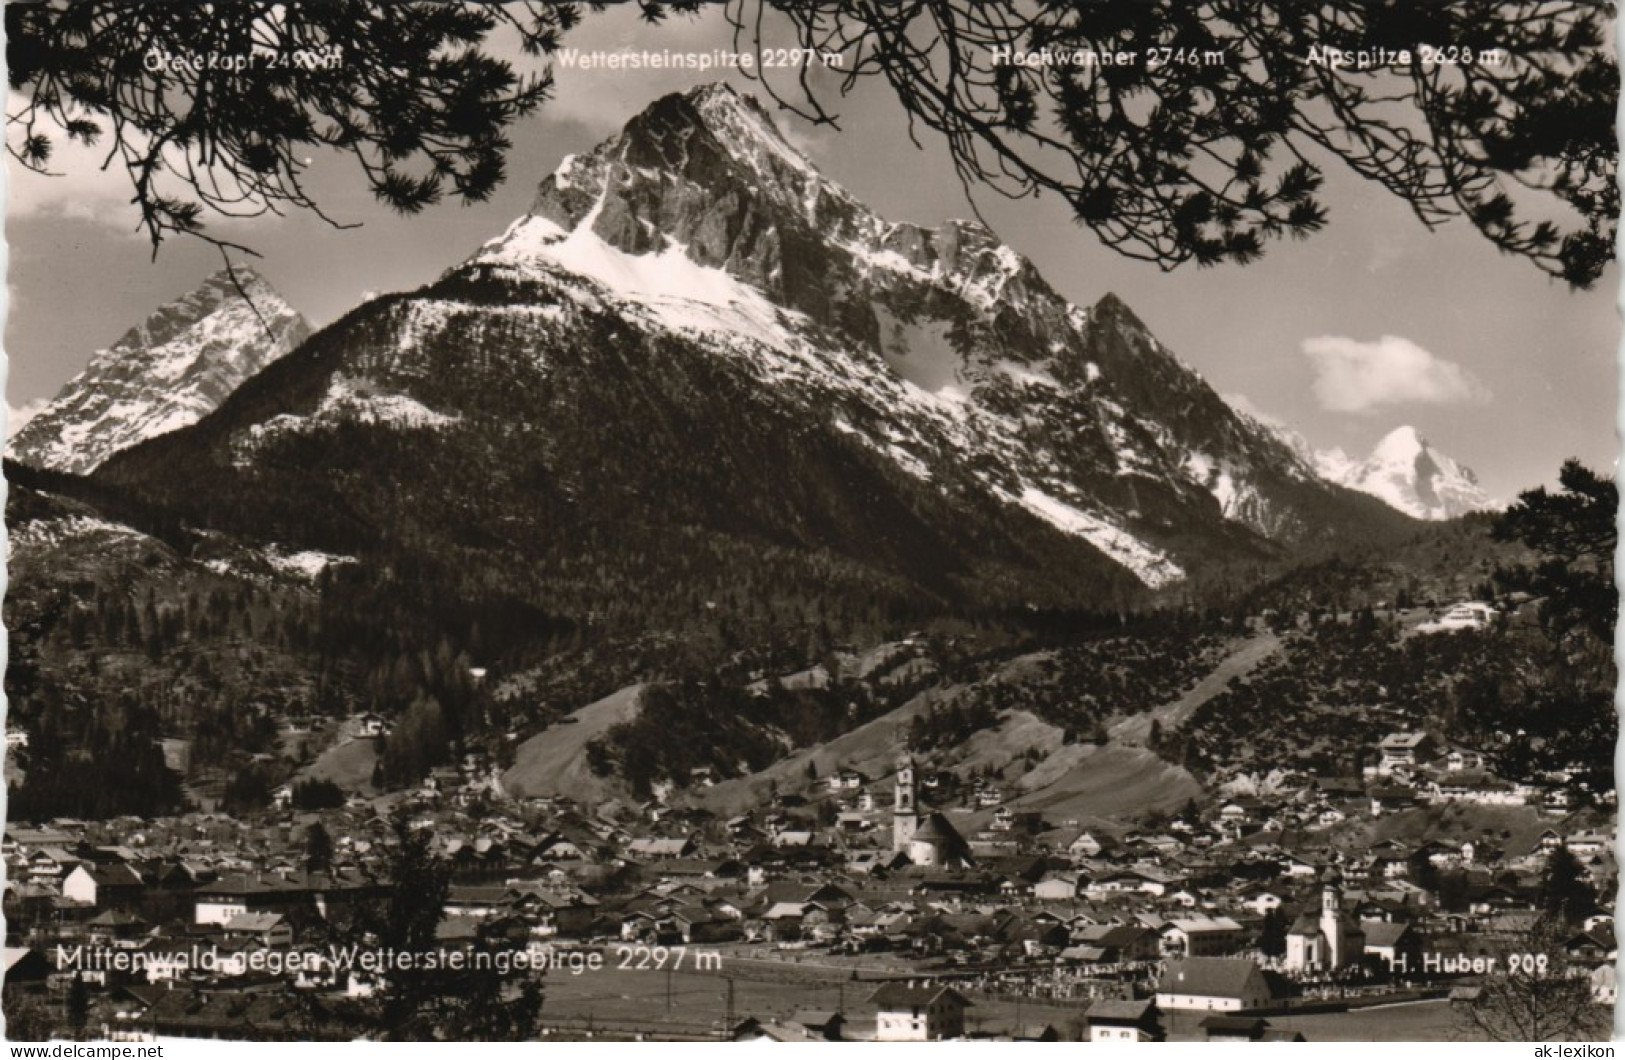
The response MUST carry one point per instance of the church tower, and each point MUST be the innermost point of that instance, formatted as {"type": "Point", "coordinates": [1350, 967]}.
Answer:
{"type": "Point", "coordinates": [905, 806]}
{"type": "Point", "coordinates": [1332, 925]}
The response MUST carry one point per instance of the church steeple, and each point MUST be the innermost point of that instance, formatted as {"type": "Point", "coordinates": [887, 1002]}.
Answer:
{"type": "Point", "coordinates": [907, 797]}
{"type": "Point", "coordinates": [1331, 893]}
{"type": "Point", "coordinates": [1333, 925]}
{"type": "Point", "coordinates": [905, 805]}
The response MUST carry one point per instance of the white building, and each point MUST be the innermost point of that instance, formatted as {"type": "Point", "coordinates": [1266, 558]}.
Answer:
{"type": "Point", "coordinates": [1213, 984]}
{"type": "Point", "coordinates": [1474, 614]}
{"type": "Point", "coordinates": [1335, 940]}
{"type": "Point", "coordinates": [1202, 937]}
{"type": "Point", "coordinates": [906, 1012]}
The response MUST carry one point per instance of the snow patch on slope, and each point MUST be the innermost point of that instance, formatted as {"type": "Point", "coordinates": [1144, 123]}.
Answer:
{"type": "Point", "coordinates": [1215, 477]}
{"type": "Point", "coordinates": [361, 401]}
{"type": "Point", "coordinates": [53, 533]}
{"type": "Point", "coordinates": [307, 564]}
{"type": "Point", "coordinates": [348, 400]}
{"type": "Point", "coordinates": [1148, 564]}
{"type": "Point", "coordinates": [981, 282]}
{"type": "Point", "coordinates": [670, 285]}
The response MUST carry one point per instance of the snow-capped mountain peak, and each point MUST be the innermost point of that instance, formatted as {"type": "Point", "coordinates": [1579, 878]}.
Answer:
{"type": "Point", "coordinates": [703, 217]}
{"type": "Point", "coordinates": [1401, 445]}
{"type": "Point", "coordinates": [691, 311]}
{"type": "Point", "coordinates": [167, 372]}
{"type": "Point", "coordinates": [1408, 473]}
{"type": "Point", "coordinates": [708, 174]}
{"type": "Point", "coordinates": [1403, 470]}
{"type": "Point", "coordinates": [744, 127]}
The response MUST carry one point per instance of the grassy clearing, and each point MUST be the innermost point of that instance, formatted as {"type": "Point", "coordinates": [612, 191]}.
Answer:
{"type": "Point", "coordinates": [554, 761]}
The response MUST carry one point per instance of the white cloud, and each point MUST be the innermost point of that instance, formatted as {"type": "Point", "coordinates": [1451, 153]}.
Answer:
{"type": "Point", "coordinates": [78, 188]}
{"type": "Point", "coordinates": [81, 184]}
{"type": "Point", "coordinates": [1354, 376]}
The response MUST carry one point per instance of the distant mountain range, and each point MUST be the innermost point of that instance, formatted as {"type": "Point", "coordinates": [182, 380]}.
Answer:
{"type": "Point", "coordinates": [167, 372]}
{"type": "Point", "coordinates": [1411, 475]}
{"type": "Point", "coordinates": [693, 327]}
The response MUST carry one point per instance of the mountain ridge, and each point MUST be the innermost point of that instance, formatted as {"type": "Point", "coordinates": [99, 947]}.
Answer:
{"type": "Point", "coordinates": [166, 372]}
{"type": "Point", "coordinates": [877, 283]}
{"type": "Point", "coordinates": [1403, 470]}
{"type": "Point", "coordinates": [1407, 472]}
{"type": "Point", "coordinates": [933, 367]}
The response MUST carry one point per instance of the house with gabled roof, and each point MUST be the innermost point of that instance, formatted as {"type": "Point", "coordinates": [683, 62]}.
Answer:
{"type": "Point", "coordinates": [1144, 878]}
{"type": "Point", "coordinates": [1390, 798]}
{"type": "Point", "coordinates": [752, 1029]}
{"type": "Point", "coordinates": [1056, 887]}
{"type": "Point", "coordinates": [823, 1024]}
{"type": "Point", "coordinates": [1214, 984]}
{"type": "Point", "coordinates": [1460, 758]}
{"type": "Point", "coordinates": [911, 1012]}
{"type": "Point", "coordinates": [1090, 845]}
{"type": "Point", "coordinates": [1202, 936]}
{"type": "Point", "coordinates": [1402, 751]}
{"type": "Point", "coordinates": [846, 780]}
{"type": "Point", "coordinates": [481, 900]}
{"type": "Point", "coordinates": [783, 920]}
{"type": "Point", "coordinates": [1121, 942]}
{"type": "Point", "coordinates": [698, 924]}
{"type": "Point", "coordinates": [112, 926]}
{"type": "Point", "coordinates": [233, 895]}
{"type": "Point", "coordinates": [1593, 947]}
{"type": "Point", "coordinates": [1394, 942]}
{"type": "Point", "coordinates": [271, 930]}
{"type": "Point", "coordinates": [50, 863]}
{"type": "Point", "coordinates": [111, 886]}
{"type": "Point", "coordinates": [1124, 1020]}
{"type": "Point", "coordinates": [21, 838]}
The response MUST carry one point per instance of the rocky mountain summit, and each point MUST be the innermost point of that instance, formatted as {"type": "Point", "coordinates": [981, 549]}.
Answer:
{"type": "Point", "coordinates": [1403, 471]}
{"type": "Point", "coordinates": [702, 211]}
{"type": "Point", "coordinates": [167, 372]}
{"type": "Point", "coordinates": [695, 332]}
{"type": "Point", "coordinates": [1408, 473]}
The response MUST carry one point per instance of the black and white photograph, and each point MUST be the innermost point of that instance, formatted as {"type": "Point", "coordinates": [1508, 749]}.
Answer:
{"type": "Point", "coordinates": [810, 522]}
